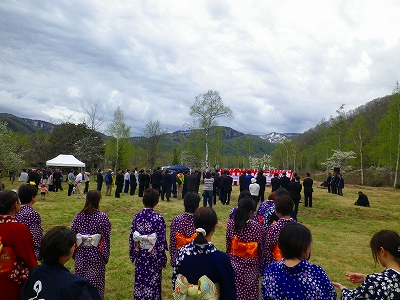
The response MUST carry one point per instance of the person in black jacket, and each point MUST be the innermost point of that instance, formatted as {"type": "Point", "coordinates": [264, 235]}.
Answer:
{"type": "Point", "coordinates": [156, 179]}
{"type": "Point", "coordinates": [166, 185]}
{"type": "Point", "coordinates": [285, 181]}
{"type": "Point", "coordinates": [362, 199]}
{"type": "Point", "coordinates": [295, 193]}
{"type": "Point", "coordinates": [242, 182]}
{"type": "Point", "coordinates": [308, 190]}
{"type": "Point", "coordinates": [119, 182]}
{"type": "Point", "coordinates": [262, 181]}
{"type": "Point", "coordinates": [99, 179]}
{"type": "Point", "coordinates": [228, 180]}
{"type": "Point", "coordinates": [275, 183]}
{"type": "Point", "coordinates": [142, 180]}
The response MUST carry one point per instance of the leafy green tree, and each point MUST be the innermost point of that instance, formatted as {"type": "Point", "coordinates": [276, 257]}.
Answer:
{"type": "Point", "coordinates": [206, 110]}
{"type": "Point", "coordinates": [10, 158]}
{"type": "Point", "coordinates": [389, 133]}
{"type": "Point", "coordinates": [152, 136]}
{"type": "Point", "coordinates": [120, 133]}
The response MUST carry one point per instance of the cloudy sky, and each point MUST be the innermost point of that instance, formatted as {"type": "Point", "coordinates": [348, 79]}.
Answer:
{"type": "Point", "coordinates": [280, 65]}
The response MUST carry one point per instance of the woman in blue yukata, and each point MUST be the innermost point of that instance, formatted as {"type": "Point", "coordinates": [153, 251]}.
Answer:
{"type": "Point", "coordinates": [51, 280]}
{"type": "Point", "coordinates": [385, 246]}
{"type": "Point", "coordinates": [294, 277]}
{"type": "Point", "coordinates": [202, 271]}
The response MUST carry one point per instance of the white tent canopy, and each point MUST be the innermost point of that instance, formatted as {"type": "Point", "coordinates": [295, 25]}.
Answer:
{"type": "Point", "coordinates": [65, 160]}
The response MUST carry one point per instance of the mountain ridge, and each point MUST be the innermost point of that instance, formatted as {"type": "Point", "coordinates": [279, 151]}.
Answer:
{"type": "Point", "coordinates": [29, 126]}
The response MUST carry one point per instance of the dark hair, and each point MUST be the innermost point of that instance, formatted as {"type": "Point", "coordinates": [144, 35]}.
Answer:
{"type": "Point", "coordinates": [208, 175]}
{"type": "Point", "coordinates": [7, 200]}
{"type": "Point", "coordinates": [297, 178]}
{"type": "Point", "coordinates": [260, 173]}
{"type": "Point", "coordinates": [204, 217]}
{"type": "Point", "coordinates": [191, 202]}
{"type": "Point", "coordinates": [281, 191]}
{"type": "Point", "coordinates": [241, 215]}
{"type": "Point", "coordinates": [308, 174]}
{"type": "Point", "coordinates": [57, 242]}
{"type": "Point", "coordinates": [92, 201]}
{"type": "Point", "coordinates": [26, 192]}
{"type": "Point", "coordinates": [388, 240]}
{"type": "Point", "coordinates": [294, 240]}
{"type": "Point", "coordinates": [284, 205]}
{"type": "Point", "coordinates": [150, 198]}
{"type": "Point", "coordinates": [272, 196]}
{"type": "Point", "coordinates": [227, 172]}
{"type": "Point", "coordinates": [244, 194]}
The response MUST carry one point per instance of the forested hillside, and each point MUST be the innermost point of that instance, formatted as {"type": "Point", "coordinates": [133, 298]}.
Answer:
{"type": "Point", "coordinates": [364, 143]}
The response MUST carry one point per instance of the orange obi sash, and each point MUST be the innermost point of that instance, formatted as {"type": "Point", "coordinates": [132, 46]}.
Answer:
{"type": "Point", "coordinates": [277, 253]}
{"type": "Point", "coordinates": [243, 249]}
{"type": "Point", "coordinates": [182, 240]}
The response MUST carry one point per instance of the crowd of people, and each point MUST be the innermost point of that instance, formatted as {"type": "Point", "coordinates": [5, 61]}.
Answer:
{"type": "Point", "coordinates": [265, 244]}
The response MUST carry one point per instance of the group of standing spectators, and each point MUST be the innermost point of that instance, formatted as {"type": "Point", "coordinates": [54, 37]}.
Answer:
{"type": "Point", "coordinates": [22, 245]}
{"type": "Point", "coordinates": [335, 183]}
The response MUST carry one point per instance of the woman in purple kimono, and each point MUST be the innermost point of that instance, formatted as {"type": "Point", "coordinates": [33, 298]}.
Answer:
{"type": "Point", "coordinates": [182, 230]}
{"type": "Point", "coordinates": [283, 208]}
{"type": "Point", "coordinates": [28, 216]}
{"type": "Point", "coordinates": [147, 245]}
{"type": "Point", "coordinates": [266, 210]}
{"type": "Point", "coordinates": [244, 240]}
{"type": "Point", "coordinates": [92, 228]}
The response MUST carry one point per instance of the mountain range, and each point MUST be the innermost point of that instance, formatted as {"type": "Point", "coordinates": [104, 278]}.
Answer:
{"type": "Point", "coordinates": [29, 126]}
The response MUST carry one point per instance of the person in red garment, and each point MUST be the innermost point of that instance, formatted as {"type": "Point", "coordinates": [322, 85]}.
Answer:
{"type": "Point", "coordinates": [17, 256]}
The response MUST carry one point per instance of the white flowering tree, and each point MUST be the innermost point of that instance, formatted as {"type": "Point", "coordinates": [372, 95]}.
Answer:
{"type": "Point", "coordinates": [340, 159]}
{"type": "Point", "coordinates": [260, 163]}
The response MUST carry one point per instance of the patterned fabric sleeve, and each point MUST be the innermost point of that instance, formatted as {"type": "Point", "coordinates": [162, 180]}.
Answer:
{"type": "Point", "coordinates": [369, 289]}
{"type": "Point", "coordinates": [229, 236]}
{"type": "Point", "coordinates": [161, 244]}
{"type": "Point", "coordinates": [172, 243]}
{"type": "Point", "coordinates": [132, 251]}
{"type": "Point", "coordinates": [105, 231]}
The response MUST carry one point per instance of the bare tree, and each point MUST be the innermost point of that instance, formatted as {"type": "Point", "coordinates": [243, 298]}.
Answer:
{"type": "Point", "coordinates": [94, 116]}
{"type": "Point", "coordinates": [152, 136]}
{"type": "Point", "coordinates": [206, 110]}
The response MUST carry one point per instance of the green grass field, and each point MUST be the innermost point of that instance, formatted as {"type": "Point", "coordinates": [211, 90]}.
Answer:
{"type": "Point", "coordinates": [341, 231]}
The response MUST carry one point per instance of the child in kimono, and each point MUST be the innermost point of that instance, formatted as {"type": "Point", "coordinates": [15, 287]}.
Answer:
{"type": "Point", "coordinates": [147, 246]}
{"type": "Point", "coordinates": [182, 229]}
{"type": "Point", "coordinates": [244, 241]}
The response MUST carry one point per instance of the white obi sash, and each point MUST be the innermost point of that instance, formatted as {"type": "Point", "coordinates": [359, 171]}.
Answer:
{"type": "Point", "coordinates": [145, 241]}
{"type": "Point", "coordinates": [88, 240]}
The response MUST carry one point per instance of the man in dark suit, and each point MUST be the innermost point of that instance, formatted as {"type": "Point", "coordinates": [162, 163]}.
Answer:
{"type": "Point", "coordinates": [262, 181]}
{"type": "Point", "coordinates": [242, 182]}
{"type": "Point", "coordinates": [142, 180]}
{"type": "Point", "coordinates": [228, 180]}
{"type": "Point", "coordinates": [308, 190]}
{"type": "Point", "coordinates": [285, 181]}
{"type": "Point", "coordinates": [99, 179]}
{"type": "Point", "coordinates": [119, 182]}
{"type": "Point", "coordinates": [295, 193]}
{"type": "Point", "coordinates": [166, 185]}
{"type": "Point", "coordinates": [362, 199]}
{"type": "Point", "coordinates": [221, 186]}
{"type": "Point", "coordinates": [156, 178]}
{"type": "Point", "coordinates": [191, 181]}
{"type": "Point", "coordinates": [275, 182]}
{"type": "Point", "coordinates": [328, 182]}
